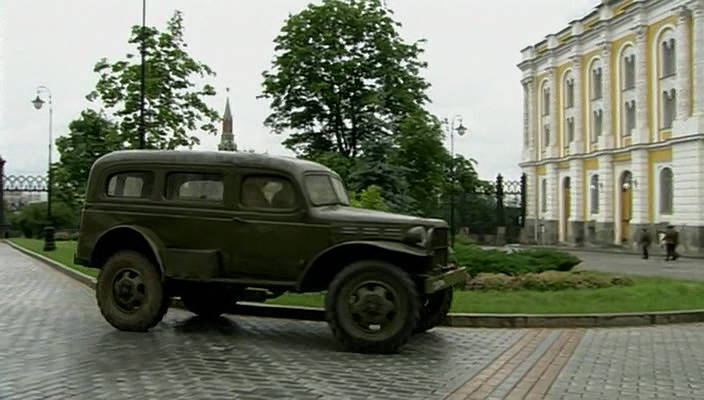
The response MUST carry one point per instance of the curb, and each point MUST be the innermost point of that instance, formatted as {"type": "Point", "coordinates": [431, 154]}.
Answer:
{"type": "Point", "coordinates": [457, 320]}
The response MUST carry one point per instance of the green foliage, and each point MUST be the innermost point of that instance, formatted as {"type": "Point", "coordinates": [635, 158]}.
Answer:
{"type": "Point", "coordinates": [89, 137]}
{"type": "Point", "coordinates": [424, 159]}
{"type": "Point", "coordinates": [174, 104]}
{"type": "Point", "coordinates": [547, 281]}
{"type": "Point", "coordinates": [370, 198]}
{"type": "Point", "coordinates": [341, 76]}
{"type": "Point", "coordinates": [477, 260]}
{"type": "Point", "coordinates": [32, 219]}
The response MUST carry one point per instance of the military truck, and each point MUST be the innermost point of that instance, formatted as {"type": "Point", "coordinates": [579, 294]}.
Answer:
{"type": "Point", "coordinates": [214, 228]}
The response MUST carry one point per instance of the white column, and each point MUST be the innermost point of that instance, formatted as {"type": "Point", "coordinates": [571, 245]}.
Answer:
{"type": "Point", "coordinates": [698, 27]}
{"type": "Point", "coordinates": [531, 192]}
{"type": "Point", "coordinates": [642, 134]}
{"type": "Point", "coordinates": [606, 192]}
{"type": "Point", "coordinates": [607, 136]}
{"type": "Point", "coordinates": [639, 169]}
{"type": "Point", "coordinates": [576, 190]}
{"type": "Point", "coordinates": [553, 149]}
{"type": "Point", "coordinates": [528, 117]}
{"type": "Point", "coordinates": [577, 146]}
{"type": "Point", "coordinates": [552, 189]}
{"type": "Point", "coordinates": [683, 60]}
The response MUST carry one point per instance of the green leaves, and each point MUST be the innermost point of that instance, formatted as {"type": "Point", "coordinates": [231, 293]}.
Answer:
{"type": "Point", "coordinates": [174, 105]}
{"type": "Point", "coordinates": [341, 75]}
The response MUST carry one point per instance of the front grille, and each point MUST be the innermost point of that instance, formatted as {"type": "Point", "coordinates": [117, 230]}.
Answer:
{"type": "Point", "coordinates": [440, 238]}
{"type": "Point", "coordinates": [440, 257]}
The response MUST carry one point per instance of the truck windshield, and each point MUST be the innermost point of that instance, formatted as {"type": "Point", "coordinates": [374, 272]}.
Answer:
{"type": "Point", "coordinates": [326, 190]}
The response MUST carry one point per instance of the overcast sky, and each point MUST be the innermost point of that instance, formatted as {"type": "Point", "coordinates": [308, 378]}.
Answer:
{"type": "Point", "coordinates": [472, 49]}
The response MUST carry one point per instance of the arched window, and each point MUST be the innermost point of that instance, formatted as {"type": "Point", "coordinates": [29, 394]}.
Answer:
{"type": "Point", "coordinates": [668, 57]}
{"type": "Point", "coordinates": [669, 108]}
{"type": "Point", "coordinates": [596, 80]}
{"type": "Point", "coordinates": [569, 90]}
{"type": "Point", "coordinates": [666, 86]}
{"type": "Point", "coordinates": [628, 68]}
{"type": "Point", "coordinates": [666, 191]}
{"type": "Point", "coordinates": [594, 195]}
{"type": "Point", "coordinates": [627, 84]}
{"type": "Point", "coordinates": [544, 124]}
{"type": "Point", "coordinates": [594, 84]}
{"type": "Point", "coordinates": [544, 195]}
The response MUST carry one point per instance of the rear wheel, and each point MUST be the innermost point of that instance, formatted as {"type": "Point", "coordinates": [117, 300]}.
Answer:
{"type": "Point", "coordinates": [372, 307]}
{"type": "Point", "coordinates": [434, 309]}
{"type": "Point", "coordinates": [130, 292]}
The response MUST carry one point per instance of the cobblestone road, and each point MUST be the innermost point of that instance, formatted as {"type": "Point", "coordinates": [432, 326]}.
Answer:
{"type": "Point", "coordinates": [54, 344]}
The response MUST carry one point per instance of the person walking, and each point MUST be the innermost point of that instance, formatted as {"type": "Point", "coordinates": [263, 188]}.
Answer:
{"type": "Point", "coordinates": [672, 239]}
{"type": "Point", "coordinates": [644, 242]}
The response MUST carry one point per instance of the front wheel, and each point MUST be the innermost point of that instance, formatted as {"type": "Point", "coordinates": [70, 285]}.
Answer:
{"type": "Point", "coordinates": [434, 309]}
{"type": "Point", "coordinates": [372, 307]}
{"type": "Point", "coordinates": [130, 292]}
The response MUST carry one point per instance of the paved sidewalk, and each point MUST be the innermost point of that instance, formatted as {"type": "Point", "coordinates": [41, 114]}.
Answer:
{"type": "Point", "coordinates": [683, 268]}
{"type": "Point", "coordinates": [55, 344]}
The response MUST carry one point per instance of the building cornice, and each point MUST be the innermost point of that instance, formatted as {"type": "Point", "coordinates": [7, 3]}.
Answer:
{"type": "Point", "coordinates": [633, 12]}
{"type": "Point", "coordinates": [642, 146]}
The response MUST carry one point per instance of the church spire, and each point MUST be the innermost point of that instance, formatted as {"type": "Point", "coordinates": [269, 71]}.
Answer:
{"type": "Point", "coordinates": [227, 140]}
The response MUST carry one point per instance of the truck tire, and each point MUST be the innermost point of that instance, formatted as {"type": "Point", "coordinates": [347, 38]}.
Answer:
{"type": "Point", "coordinates": [434, 309]}
{"type": "Point", "coordinates": [372, 307]}
{"type": "Point", "coordinates": [130, 292]}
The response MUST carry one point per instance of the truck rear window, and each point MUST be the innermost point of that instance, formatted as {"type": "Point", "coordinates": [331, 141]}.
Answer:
{"type": "Point", "coordinates": [130, 184]}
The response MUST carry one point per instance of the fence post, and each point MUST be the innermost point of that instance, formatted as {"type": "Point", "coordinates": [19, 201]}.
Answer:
{"type": "Point", "coordinates": [3, 226]}
{"type": "Point", "coordinates": [500, 220]}
{"type": "Point", "coordinates": [523, 200]}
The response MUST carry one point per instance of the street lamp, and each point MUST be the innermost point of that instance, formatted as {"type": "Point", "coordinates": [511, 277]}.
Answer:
{"type": "Point", "coordinates": [453, 126]}
{"type": "Point", "coordinates": [49, 244]}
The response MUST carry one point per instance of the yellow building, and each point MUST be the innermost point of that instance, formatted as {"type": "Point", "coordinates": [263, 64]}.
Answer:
{"type": "Point", "coordinates": [614, 125]}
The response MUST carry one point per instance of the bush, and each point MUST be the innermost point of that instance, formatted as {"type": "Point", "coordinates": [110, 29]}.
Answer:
{"type": "Point", "coordinates": [477, 260]}
{"type": "Point", "coordinates": [546, 281]}
{"type": "Point", "coordinates": [31, 220]}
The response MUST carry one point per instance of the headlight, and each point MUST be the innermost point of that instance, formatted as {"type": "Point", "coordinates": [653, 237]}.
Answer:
{"type": "Point", "coordinates": [416, 235]}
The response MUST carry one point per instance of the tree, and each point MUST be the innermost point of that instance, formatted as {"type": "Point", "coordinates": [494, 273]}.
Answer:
{"type": "Point", "coordinates": [421, 152]}
{"type": "Point", "coordinates": [174, 104]}
{"type": "Point", "coordinates": [89, 137]}
{"type": "Point", "coordinates": [370, 198]}
{"type": "Point", "coordinates": [341, 77]}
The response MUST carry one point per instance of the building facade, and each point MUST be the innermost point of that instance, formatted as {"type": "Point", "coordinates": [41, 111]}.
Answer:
{"type": "Point", "coordinates": [613, 135]}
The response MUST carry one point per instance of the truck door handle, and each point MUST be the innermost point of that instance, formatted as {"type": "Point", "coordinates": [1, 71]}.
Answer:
{"type": "Point", "coordinates": [238, 219]}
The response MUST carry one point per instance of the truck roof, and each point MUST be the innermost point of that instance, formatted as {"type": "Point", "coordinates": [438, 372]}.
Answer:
{"type": "Point", "coordinates": [241, 159]}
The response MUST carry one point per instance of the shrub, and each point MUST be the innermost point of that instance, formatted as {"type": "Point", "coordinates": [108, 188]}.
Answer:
{"type": "Point", "coordinates": [545, 281]}
{"type": "Point", "coordinates": [477, 260]}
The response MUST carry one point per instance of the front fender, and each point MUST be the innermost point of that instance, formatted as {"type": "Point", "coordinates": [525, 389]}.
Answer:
{"type": "Point", "coordinates": [357, 246]}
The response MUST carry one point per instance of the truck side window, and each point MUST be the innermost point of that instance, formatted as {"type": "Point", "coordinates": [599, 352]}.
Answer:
{"type": "Point", "coordinates": [130, 184]}
{"type": "Point", "coordinates": [268, 192]}
{"type": "Point", "coordinates": [194, 186]}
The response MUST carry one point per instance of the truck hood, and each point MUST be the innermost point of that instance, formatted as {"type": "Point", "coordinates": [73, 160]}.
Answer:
{"type": "Point", "coordinates": [346, 214]}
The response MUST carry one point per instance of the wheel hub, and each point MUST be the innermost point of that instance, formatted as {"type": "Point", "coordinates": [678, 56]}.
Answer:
{"type": "Point", "coordinates": [129, 290]}
{"type": "Point", "coordinates": [373, 306]}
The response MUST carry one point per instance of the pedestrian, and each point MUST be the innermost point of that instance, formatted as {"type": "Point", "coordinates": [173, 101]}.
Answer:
{"type": "Point", "coordinates": [644, 242]}
{"type": "Point", "coordinates": [672, 239]}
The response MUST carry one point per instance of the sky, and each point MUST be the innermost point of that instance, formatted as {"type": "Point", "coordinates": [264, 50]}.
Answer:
{"type": "Point", "coordinates": [472, 48]}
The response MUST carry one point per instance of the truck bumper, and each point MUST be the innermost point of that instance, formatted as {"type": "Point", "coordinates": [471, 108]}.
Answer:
{"type": "Point", "coordinates": [434, 283]}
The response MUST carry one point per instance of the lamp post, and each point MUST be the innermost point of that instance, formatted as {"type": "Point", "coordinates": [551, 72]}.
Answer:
{"type": "Point", "coordinates": [453, 126]}
{"type": "Point", "coordinates": [49, 244]}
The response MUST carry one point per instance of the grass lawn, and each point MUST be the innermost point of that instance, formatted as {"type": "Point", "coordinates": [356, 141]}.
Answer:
{"type": "Point", "coordinates": [63, 253]}
{"type": "Point", "coordinates": [647, 294]}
